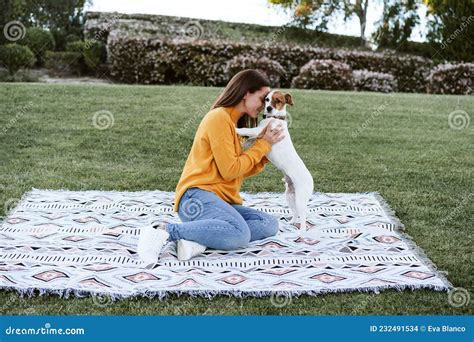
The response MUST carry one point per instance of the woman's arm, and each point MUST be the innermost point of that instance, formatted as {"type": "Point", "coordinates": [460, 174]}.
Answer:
{"type": "Point", "coordinates": [231, 165]}
{"type": "Point", "coordinates": [257, 169]}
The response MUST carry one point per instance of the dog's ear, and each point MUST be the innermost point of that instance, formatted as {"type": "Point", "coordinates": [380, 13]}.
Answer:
{"type": "Point", "coordinates": [288, 99]}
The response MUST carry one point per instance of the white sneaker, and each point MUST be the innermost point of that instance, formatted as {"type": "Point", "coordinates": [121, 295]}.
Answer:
{"type": "Point", "coordinates": [189, 249]}
{"type": "Point", "coordinates": [151, 241]}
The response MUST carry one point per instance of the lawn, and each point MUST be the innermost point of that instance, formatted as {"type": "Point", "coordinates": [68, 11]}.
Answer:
{"type": "Point", "coordinates": [404, 148]}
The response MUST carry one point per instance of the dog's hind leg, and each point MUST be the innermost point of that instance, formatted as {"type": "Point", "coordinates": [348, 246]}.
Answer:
{"type": "Point", "coordinates": [301, 204]}
{"type": "Point", "coordinates": [290, 198]}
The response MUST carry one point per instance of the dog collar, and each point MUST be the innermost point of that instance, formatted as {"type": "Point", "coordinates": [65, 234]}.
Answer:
{"type": "Point", "coordinates": [279, 117]}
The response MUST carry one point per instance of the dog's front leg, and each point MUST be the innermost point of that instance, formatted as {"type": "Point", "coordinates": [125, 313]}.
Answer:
{"type": "Point", "coordinates": [255, 131]}
{"type": "Point", "coordinates": [249, 132]}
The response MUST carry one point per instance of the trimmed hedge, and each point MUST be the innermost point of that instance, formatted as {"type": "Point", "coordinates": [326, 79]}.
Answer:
{"type": "Point", "coordinates": [98, 26]}
{"type": "Point", "coordinates": [134, 60]}
{"type": "Point", "coordinates": [452, 79]}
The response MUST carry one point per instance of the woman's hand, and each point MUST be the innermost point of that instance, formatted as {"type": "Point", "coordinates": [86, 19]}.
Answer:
{"type": "Point", "coordinates": [272, 135]}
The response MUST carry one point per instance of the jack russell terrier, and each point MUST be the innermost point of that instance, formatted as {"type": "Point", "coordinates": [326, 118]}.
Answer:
{"type": "Point", "coordinates": [298, 180]}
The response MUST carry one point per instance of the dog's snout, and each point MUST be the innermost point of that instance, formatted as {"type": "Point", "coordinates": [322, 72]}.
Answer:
{"type": "Point", "coordinates": [269, 108]}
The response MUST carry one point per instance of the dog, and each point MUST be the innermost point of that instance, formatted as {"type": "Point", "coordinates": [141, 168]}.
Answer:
{"type": "Point", "coordinates": [298, 180]}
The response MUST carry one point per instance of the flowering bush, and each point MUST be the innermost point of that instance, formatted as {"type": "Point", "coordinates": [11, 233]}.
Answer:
{"type": "Point", "coordinates": [270, 68]}
{"type": "Point", "coordinates": [374, 81]}
{"type": "Point", "coordinates": [451, 79]}
{"type": "Point", "coordinates": [324, 74]}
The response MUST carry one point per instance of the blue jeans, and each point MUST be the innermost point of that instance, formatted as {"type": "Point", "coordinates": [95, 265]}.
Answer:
{"type": "Point", "coordinates": [214, 223]}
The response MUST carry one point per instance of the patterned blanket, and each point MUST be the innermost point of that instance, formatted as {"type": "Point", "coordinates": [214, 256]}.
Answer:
{"type": "Point", "coordinates": [84, 243]}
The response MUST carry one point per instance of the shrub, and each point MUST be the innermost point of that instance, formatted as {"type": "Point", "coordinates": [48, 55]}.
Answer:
{"type": "Point", "coordinates": [72, 38]}
{"type": "Point", "coordinates": [451, 79]}
{"type": "Point", "coordinates": [410, 71]}
{"type": "Point", "coordinates": [374, 81]}
{"type": "Point", "coordinates": [93, 53]}
{"type": "Point", "coordinates": [201, 62]}
{"type": "Point", "coordinates": [15, 57]}
{"type": "Point", "coordinates": [64, 62]}
{"type": "Point", "coordinates": [324, 74]}
{"type": "Point", "coordinates": [270, 68]}
{"type": "Point", "coordinates": [39, 41]}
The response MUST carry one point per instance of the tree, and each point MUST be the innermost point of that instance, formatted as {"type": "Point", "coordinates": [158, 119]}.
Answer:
{"type": "Point", "coordinates": [360, 10]}
{"type": "Point", "coordinates": [65, 16]}
{"type": "Point", "coordinates": [308, 13]}
{"type": "Point", "coordinates": [451, 28]}
{"type": "Point", "coordinates": [397, 23]}
{"type": "Point", "coordinates": [319, 12]}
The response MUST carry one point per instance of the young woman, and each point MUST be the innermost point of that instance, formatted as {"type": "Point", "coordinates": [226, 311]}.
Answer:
{"type": "Point", "coordinates": [207, 195]}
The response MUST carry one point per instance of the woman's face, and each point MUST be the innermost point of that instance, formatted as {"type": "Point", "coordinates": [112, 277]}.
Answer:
{"type": "Point", "coordinates": [254, 102]}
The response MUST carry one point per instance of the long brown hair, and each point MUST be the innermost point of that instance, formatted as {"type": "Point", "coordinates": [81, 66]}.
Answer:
{"type": "Point", "coordinates": [248, 80]}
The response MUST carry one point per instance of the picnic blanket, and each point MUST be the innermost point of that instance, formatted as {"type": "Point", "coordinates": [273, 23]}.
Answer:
{"type": "Point", "coordinates": [84, 243]}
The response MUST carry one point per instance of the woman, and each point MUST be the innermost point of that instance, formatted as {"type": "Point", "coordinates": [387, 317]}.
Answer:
{"type": "Point", "coordinates": [207, 195]}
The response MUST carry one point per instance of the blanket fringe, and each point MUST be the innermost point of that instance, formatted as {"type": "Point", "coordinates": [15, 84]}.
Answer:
{"type": "Point", "coordinates": [211, 294]}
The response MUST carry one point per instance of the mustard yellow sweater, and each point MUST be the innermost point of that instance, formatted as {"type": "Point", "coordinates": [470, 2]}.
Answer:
{"type": "Point", "coordinates": [216, 161]}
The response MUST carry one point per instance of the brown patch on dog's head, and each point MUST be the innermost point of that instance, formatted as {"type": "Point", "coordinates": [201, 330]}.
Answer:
{"type": "Point", "coordinates": [279, 100]}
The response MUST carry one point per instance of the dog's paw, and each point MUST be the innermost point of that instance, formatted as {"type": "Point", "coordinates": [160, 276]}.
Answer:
{"type": "Point", "coordinates": [241, 132]}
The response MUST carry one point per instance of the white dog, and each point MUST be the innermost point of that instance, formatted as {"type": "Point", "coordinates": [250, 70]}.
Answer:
{"type": "Point", "coordinates": [299, 182]}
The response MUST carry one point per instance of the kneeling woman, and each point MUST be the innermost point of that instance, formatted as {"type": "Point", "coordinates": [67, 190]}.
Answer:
{"type": "Point", "coordinates": [207, 195]}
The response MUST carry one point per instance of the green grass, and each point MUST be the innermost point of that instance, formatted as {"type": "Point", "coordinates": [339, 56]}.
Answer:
{"type": "Point", "coordinates": [408, 153]}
